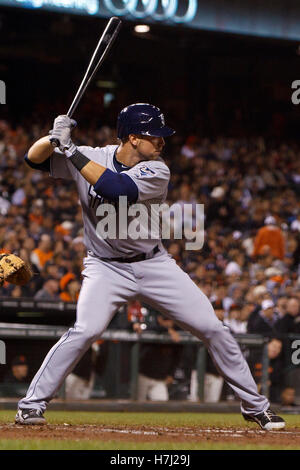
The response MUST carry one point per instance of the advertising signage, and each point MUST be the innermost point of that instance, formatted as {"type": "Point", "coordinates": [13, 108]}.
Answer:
{"type": "Point", "coordinates": [176, 11]}
{"type": "Point", "coordinates": [268, 18]}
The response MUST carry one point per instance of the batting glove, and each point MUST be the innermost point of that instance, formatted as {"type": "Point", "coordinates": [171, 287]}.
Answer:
{"type": "Point", "coordinates": [61, 131]}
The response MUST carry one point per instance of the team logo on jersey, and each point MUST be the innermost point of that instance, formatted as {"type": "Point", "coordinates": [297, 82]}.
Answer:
{"type": "Point", "coordinates": [144, 171]}
{"type": "Point", "coordinates": [95, 199]}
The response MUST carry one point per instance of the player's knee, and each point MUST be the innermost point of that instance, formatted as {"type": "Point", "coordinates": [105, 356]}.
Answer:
{"type": "Point", "coordinates": [89, 335]}
{"type": "Point", "coordinates": [215, 330]}
{"type": "Point", "coordinates": [92, 336]}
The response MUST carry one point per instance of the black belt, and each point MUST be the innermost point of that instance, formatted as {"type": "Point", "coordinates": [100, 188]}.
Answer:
{"type": "Point", "coordinates": [134, 259]}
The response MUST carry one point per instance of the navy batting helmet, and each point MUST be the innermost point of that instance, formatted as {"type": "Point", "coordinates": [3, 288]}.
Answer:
{"type": "Point", "coordinates": [142, 118]}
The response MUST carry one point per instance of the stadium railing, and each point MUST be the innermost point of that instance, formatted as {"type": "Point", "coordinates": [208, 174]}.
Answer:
{"type": "Point", "coordinates": [22, 308]}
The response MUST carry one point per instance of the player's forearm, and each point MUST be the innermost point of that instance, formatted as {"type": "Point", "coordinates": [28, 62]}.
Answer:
{"type": "Point", "coordinates": [40, 150]}
{"type": "Point", "coordinates": [92, 172]}
{"type": "Point", "coordinates": [106, 183]}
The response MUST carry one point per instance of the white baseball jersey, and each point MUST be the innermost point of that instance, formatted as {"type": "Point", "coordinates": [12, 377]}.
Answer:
{"type": "Point", "coordinates": [151, 177]}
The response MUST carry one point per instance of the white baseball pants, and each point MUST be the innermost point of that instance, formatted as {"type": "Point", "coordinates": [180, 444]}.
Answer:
{"type": "Point", "coordinates": [160, 283]}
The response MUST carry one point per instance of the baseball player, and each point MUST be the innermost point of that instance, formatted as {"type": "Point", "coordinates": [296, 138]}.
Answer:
{"type": "Point", "coordinates": [118, 269]}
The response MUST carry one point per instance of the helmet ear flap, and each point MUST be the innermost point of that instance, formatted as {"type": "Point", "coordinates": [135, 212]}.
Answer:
{"type": "Point", "coordinates": [121, 133]}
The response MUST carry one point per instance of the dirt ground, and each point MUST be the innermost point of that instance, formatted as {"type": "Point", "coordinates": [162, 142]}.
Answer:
{"type": "Point", "coordinates": [152, 434]}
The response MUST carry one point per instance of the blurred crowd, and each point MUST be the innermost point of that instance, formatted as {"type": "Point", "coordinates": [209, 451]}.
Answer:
{"type": "Point", "coordinates": [40, 218]}
{"type": "Point", "coordinates": [249, 265]}
{"type": "Point", "coordinates": [252, 216]}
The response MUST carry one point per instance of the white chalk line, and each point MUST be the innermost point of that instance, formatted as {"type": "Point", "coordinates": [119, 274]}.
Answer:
{"type": "Point", "coordinates": [231, 433]}
{"type": "Point", "coordinates": [168, 431]}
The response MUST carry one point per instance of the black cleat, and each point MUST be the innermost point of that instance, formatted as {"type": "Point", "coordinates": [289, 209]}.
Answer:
{"type": "Point", "coordinates": [267, 420]}
{"type": "Point", "coordinates": [29, 417]}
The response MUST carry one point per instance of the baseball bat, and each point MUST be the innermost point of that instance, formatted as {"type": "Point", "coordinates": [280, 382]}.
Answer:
{"type": "Point", "coordinates": [105, 42]}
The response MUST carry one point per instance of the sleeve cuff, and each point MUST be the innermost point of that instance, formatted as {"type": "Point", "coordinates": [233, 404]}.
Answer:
{"type": "Point", "coordinates": [112, 185]}
{"type": "Point", "coordinates": [45, 166]}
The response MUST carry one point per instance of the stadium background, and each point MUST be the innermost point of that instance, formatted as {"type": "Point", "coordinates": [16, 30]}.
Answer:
{"type": "Point", "coordinates": [225, 88]}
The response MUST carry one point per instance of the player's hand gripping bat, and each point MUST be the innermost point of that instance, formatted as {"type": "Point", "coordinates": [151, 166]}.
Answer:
{"type": "Point", "coordinates": [105, 42]}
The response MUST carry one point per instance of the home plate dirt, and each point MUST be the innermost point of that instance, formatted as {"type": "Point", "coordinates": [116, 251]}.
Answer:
{"type": "Point", "coordinates": [151, 434]}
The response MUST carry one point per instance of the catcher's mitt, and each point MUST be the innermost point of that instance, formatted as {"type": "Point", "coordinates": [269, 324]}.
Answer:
{"type": "Point", "coordinates": [14, 270]}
